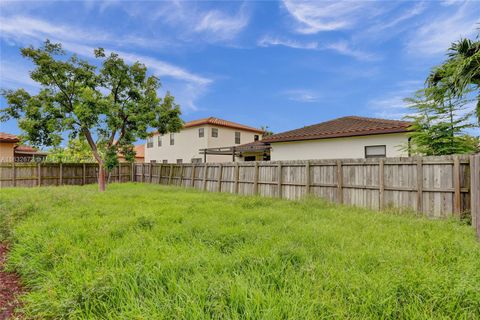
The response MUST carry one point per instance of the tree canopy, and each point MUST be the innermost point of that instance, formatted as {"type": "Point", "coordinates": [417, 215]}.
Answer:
{"type": "Point", "coordinates": [110, 105]}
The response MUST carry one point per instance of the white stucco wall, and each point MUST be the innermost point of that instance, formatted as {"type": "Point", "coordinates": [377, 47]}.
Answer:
{"type": "Point", "coordinates": [338, 148]}
{"type": "Point", "coordinates": [187, 144]}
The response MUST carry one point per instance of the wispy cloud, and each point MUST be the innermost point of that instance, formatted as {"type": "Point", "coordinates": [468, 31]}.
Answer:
{"type": "Point", "coordinates": [436, 35]}
{"type": "Point", "coordinates": [222, 26]}
{"type": "Point", "coordinates": [341, 47]}
{"type": "Point", "coordinates": [25, 29]}
{"type": "Point", "coordinates": [317, 16]}
{"type": "Point", "coordinates": [269, 41]}
{"type": "Point", "coordinates": [301, 95]}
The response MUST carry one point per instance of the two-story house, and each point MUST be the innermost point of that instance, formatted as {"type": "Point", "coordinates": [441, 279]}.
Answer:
{"type": "Point", "coordinates": [184, 146]}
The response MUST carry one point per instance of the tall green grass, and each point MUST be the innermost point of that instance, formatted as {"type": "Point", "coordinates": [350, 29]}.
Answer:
{"type": "Point", "coordinates": [155, 252]}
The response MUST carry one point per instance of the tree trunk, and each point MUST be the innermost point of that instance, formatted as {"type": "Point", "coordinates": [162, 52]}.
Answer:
{"type": "Point", "coordinates": [101, 177]}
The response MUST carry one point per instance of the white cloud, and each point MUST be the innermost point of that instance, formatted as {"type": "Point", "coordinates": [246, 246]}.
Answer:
{"type": "Point", "coordinates": [344, 48]}
{"type": "Point", "coordinates": [222, 26]}
{"type": "Point", "coordinates": [316, 16]}
{"type": "Point", "coordinates": [436, 35]}
{"type": "Point", "coordinates": [301, 95]}
{"type": "Point", "coordinates": [341, 47]}
{"type": "Point", "coordinates": [24, 29]}
{"type": "Point", "coordinates": [268, 41]}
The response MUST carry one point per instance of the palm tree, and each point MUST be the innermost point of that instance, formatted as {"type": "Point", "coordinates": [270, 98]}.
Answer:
{"type": "Point", "coordinates": [460, 72]}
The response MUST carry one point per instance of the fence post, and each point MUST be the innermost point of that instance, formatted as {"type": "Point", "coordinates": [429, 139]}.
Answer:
{"type": "Point", "coordinates": [219, 182]}
{"type": "Point", "coordinates": [143, 173]}
{"type": "Point", "coordinates": [255, 179]}
{"type": "Point", "coordinates": [150, 172]}
{"type": "Point", "coordinates": [236, 173]}
{"type": "Point", "coordinates": [14, 174]}
{"type": "Point", "coordinates": [160, 174]}
{"type": "Point", "coordinates": [381, 184]}
{"type": "Point", "coordinates": [205, 176]}
{"type": "Point", "coordinates": [60, 179]}
{"type": "Point", "coordinates": [475, 192]}
{"type": "Point", "coordinates": [132, 171]}
{"type": "Point", "coordinates": [192, 183]}
{"type": "Point", "coordinates": [339, 182]}
{"type": "Point", "coordinates": [181, 174]}
{"type": "Point", "coordinates": [307, 178]}
{"type": "Point", "coordinates": [39, 174]}
{"type": "Point", "coordinates": [84, 173]}
{"type": "Point", "coordinates": [170, 174]}
{"type": "Point", "coordinates": [457, 198]}
{"type": "Point", "coordinates": [419, 185]}
{"type": "Point", "coordinates": [279, 180]}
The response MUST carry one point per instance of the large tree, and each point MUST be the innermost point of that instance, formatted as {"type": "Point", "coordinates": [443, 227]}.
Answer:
{"type": "Point", "coordinates": [460, 73]}
{"type": "Point", "coordinates": [110, 106]}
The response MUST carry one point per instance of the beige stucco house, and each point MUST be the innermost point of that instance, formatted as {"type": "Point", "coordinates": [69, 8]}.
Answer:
{"type": "Point", "coordinates": [346, 137]}
{"type": "Point", "coordinates": [185, 146]}
{"type": "Point", "coordinates": [12, 151]}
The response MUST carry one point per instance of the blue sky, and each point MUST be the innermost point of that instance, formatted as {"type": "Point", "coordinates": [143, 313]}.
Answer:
{"type": "Point", "coordinates": [282, 64]}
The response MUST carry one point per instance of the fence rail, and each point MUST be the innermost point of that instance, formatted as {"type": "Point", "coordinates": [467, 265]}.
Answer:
{"type": "Point", "coordinates": [436, 186]}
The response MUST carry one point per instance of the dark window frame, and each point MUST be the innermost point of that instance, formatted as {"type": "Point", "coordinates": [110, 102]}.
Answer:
{"type": "Point", "coordinates": [159, 141]}
{"type": "Point", "coordinates": [179, 161]}
{"type": "Point", "coordinates": [150, 142]}
{"type": "Point", "coordinates": [376, 156]}
{"type": "Point", "coordinates": [238, 137]}
{"type": "Point", "coordinates": [201, 132]}
{"type": "Point", "coordinates": [216, 132]}
{"type": "Point", "coordinates": [172, 139]}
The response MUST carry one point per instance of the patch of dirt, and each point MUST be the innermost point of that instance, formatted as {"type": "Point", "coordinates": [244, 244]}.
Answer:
{"type": "Point", "coordinates": [10, 287]}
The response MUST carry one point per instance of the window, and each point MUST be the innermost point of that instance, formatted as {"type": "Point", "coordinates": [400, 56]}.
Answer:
{"type": "Point", "coordinates": [179, 161]}
{"type": "Point", "coordinates": [237, 137]}
{"type": "Point", "coordinates": [149, 142]}
{"type": "Point", "coordinates": [214, 132]}
{"type": "Point", "coordinates": [375, 151]}
{"type": "Point", "coordinates": [159, 140]}
{"type": "Point", "coordinates": [172, 139]}
{"type": "Point", "coordinates": [153, 161]}
{"type": "Point", "coordinates": [196, 160]}
{"type": "Point", "coordinates": [201, 132]}
{"type": "Point", "coordinates": [256, 137]}
{"type": "Point", "coordinates": [250, 158]}
{"type": "Point", "coordinates": [165, 161]}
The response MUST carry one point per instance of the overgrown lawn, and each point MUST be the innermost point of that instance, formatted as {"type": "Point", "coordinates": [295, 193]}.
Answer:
{"type": "Point", "coordinates": [155, 252]}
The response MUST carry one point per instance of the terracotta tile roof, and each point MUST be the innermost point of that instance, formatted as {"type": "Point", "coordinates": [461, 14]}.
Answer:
{"type": "Point", "coordinates": [6, 137]}
{"type": "Point", "coordinates": [23, 149]}
{"type": "Point", "coordinates": [342, 127]}
{"type": "Point", "coordinates": [220, 122]}
{"type": "Point", "coordinates": [139, 151]}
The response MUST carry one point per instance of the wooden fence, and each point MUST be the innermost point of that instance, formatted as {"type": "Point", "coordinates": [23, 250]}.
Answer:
{"type": "Point", "coordinates": [436, 186]}
{"type": "Point", "coordinates": [54, 174]}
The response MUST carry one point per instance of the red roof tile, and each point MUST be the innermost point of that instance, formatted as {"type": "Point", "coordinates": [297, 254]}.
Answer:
{"type": "Point", "coordinates": [139, 151]}
{"type": "Point", "coordinates": [222, 123]}
{"type": "Point", "coordinates": [342, 127]}
{"type": "Point", "coordinates": [6, 137]}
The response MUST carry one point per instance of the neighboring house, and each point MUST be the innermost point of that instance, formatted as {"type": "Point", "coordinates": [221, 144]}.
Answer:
{"type": "Point", "coordinates": [185, 146]}
{"type": "Point", "coordinates": [11, 151]}
{"type": "Point", "coordinates": [139, 154]}
{"type": "Point", "coordinates": [347, 137]}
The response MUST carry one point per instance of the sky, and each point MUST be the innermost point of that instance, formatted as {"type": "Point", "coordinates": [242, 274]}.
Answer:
{"type": "Point", "coordinates": [282, 64]}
